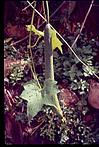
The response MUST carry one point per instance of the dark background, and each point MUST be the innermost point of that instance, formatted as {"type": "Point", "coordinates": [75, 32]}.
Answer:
{"type": "Point", "coordinates": [78, 14]}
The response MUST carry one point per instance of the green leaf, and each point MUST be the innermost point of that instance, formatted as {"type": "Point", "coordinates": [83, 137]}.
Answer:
{"type": "Point", "coordinates": [37, 98]}
{"type": "Point", "coordinates": [74, 86]}
{"type": "Point", "coordinates": [33, 29]}
{"type": "Point", "coordinates": [66, 64]}
{"type": "Point", "coordinates": [85, 74]}
{"type": "Point", "coordinates": [89, 70]}
{"type": "Point", "coordinates": [32, 94]}
{"type": "Point", "coordinates": [79, 73]}
{"type": "Point", "coordinates": [76, 60]}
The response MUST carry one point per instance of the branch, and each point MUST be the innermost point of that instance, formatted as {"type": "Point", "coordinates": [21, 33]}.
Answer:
{"type": "Point", "coordinates": [28, 6]}
{"type": "Point", "coordinates": [58, 9]}
{"type": "Point", "coordinates": [53, 12]}
{"type": "Point", "coordinates": [36, 11]}
{"type": "Point", "coordinates": [19, 40]}
{"type": "Point", "coordinates": [44, 9]}
{"type": "Point", "coordinates": [33, 73]}
{"type": "Point", "coordinates": [47, 7]}
{"type": "Point", "coordinates": [37, 127]}
{"type": "Point", "coordinates": [83, 23]}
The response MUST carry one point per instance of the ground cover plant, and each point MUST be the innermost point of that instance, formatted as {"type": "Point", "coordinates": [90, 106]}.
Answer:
{"type": "Point", "coordinates": [51, 77]}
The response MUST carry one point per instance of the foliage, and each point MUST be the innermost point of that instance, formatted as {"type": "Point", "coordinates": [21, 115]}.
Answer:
{"type": "Point", "coordinates": [33, 95]}
{"type": "Point", "coordinates": [68, 67]}
{"type": "Point", "coordinates": [16, 74]}
{"type": "Point", "coordinates": [72, 69]}
{"type": "Point", "coordinates": [73, 131]}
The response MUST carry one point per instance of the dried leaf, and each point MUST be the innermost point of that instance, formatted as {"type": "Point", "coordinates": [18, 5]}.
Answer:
{"type": "Point", "coordinates": [56, 43]}
{"type": "Point", "coordinates": [33, 29]}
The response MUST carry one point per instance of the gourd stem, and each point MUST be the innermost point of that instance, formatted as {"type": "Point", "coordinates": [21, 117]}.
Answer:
{"type": "Point", "coordinates": [49, 69]}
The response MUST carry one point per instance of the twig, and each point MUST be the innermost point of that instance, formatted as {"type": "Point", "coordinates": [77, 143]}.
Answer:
{"type": "Point", "coordinates": [49, 66]}
{"type": "Point", "coordinates": [54, 12]}
{"type": "Point", "coordinates": [36, 42]}
{"type": "Point", "coordinates": [36, 11]}
{"type": "Point", "coordinates": [83, 23]}
{"type": "Point", "coordinates": [19, 40]}
{"type": "Point", "coordinates": [66, 42]}
{"type": "Point", "coordinates": [31, 69]}
{"type": "Point", "coordinates": [43, 9]}
{"type": "Point", "coordinates": [47, 7]}
{"type": "Point", "coordinates": [57, 9]}
{"type": "Point", "coordinates": [15, 49]}
{"type": "Point", "coordinates": [33, 73]}
{"type": "Point", "coordinates": [36, 128]}
{"type": "Point", "coordinates": [31, 34]}
{"type": "Point", "coordinates": [27, 6]}
{"type": "Point", "coordinates": [39, 18]}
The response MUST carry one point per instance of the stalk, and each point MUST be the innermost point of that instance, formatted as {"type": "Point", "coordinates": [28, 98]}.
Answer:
{"type": "Point", "coordinates": [49, 69]}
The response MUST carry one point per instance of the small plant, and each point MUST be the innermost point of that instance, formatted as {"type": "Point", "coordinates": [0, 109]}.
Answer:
{"type": "Point", "coordinates": [38, 105]}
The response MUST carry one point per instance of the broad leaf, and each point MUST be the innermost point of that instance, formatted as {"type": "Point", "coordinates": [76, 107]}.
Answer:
{"type": "Point", "coordinates": [32, 94]}
{"type": "Point", "coordinates": [37, 98]}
